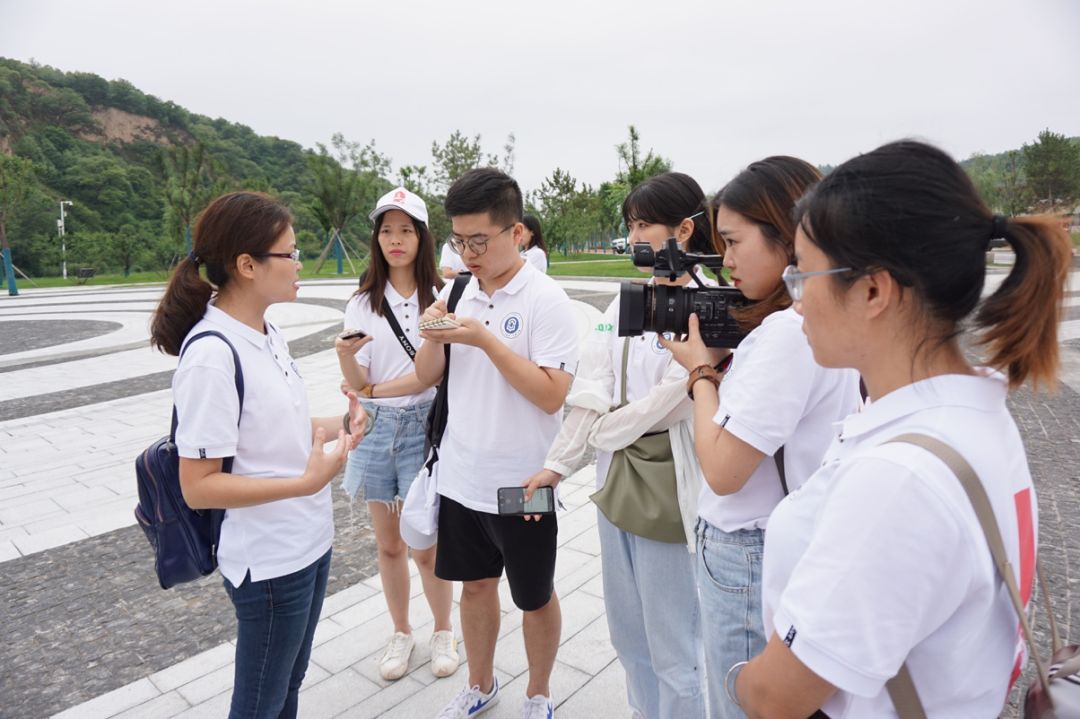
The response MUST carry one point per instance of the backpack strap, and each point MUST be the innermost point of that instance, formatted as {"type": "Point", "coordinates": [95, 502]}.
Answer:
{"type": "Point", "coordinates": [396, 327]}
{"type": "Point", "coordinates": [984, 512]}
{"type": "Point", "coordinates": [238, 378]}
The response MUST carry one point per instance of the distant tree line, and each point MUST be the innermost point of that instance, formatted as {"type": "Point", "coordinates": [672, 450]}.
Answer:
{"type": "Point", "coordinates": [136, 189]}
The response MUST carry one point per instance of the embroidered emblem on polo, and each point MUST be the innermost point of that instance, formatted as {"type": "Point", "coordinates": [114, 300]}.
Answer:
{"type": "Point", "coordinates": [659, 348]}
{"type": "Point", "coordinates": [511, 325]}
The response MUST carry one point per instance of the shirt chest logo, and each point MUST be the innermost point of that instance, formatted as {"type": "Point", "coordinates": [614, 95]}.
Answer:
{"type": "Point", "coordinates": [512, 325]}
{"type": "Point", "coordinates": [659, 348]}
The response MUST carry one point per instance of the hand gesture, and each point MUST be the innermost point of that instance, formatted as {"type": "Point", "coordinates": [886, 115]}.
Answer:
{"type": "Point", "coordinates": [323, 466]}
{"type": "Point", "coordinates": [358, 420]}
{"type": "Point", "coordinates": [543, 478]}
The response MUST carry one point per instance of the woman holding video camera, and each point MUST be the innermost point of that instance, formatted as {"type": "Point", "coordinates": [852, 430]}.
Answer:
{"type": "Point", "coordinates": [761, 432]}
{"type": "Point", "coordinates": [629, 402]}
{"type": "Point", "coordinates": [879, 568]}
{"type": "Point", "coordinates": [397, 287]}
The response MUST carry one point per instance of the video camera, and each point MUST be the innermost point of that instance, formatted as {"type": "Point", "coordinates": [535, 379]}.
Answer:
{"type": "Point", "coordinates": [667, 308]}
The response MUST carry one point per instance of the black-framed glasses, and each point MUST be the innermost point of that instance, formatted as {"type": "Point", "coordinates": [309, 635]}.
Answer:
{"type": "Point", "coordinates": [294, 255]}
{"type": "Point", "coordinates": [477, 243]}
{"type": "Point", "coordinates": [793, 279]}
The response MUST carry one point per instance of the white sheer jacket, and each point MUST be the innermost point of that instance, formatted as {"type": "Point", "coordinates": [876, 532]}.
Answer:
{"type": "Point", "coordinates": [593, 421]}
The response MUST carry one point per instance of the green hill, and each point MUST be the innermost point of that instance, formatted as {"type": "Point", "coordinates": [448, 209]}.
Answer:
{"type": "Point", "coordinates": [109, 148]}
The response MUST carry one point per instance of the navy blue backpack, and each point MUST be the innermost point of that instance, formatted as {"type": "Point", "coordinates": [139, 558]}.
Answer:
{"type": "Point", "coordinates": [185, 540]}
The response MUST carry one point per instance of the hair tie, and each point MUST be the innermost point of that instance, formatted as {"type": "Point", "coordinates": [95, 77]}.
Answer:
{"type": "Point", "coordinates": [998, 227]}
{"type": "Point", "coordinates": [193, 258]}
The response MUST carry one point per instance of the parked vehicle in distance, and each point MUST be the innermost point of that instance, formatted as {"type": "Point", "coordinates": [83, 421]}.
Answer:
{"type": "Point", "coordinates": [619, 245]}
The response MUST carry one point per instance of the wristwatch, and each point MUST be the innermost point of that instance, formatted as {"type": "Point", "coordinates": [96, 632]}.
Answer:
{"type": "Point", "coordinates": [702, 372]}
{"type": "Point", "coordinates": [367, 390]}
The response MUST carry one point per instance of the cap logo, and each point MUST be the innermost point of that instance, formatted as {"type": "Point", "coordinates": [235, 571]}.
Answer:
{"type": "Point", "coordinates": [399, 197]}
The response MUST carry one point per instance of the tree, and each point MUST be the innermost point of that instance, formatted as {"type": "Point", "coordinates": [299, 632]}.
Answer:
{"type": "Point", "coordinates": [1052, 166]}
{"type": "Point", "coordinates": [16, 177]}
{"type": "Point", "coordinates": [570, 215]}
{"type": "Point", "coordinates": [189, 185]}
{"type": "Point", "coordinates": [341, 193]}
{"type": "Point", "coordinates": [635, 169]}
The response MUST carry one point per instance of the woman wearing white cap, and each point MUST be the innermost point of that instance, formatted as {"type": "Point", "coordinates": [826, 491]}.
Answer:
{"type": "Point", "coordinates": [399, 284]}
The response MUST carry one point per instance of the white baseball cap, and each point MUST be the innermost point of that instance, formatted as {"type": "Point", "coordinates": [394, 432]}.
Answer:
{"type": "Point", "coordinates": [401, 199]}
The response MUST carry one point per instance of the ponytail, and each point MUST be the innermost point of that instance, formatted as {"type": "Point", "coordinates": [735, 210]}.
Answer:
{"type": "Point", "coordinates": [1020, 320]}
{"type": "Point", "coordinates": [231, 225]}
{"type": "Point", "coordinates": [181, 307]}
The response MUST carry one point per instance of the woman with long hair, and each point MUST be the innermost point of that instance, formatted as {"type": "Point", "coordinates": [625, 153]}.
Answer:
{"type": "Point", "coordinates": [879, 568]}
{"type": "Point", "coordinates": [761, 432]}
{"type": "Point", "coordinates": [275, 546]}
{"type": "Point", "coordinates": [399, 284]}
{"type": "Point", "coordinates": [628, 401]}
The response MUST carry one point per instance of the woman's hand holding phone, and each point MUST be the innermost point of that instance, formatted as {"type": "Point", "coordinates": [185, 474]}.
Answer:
{"type": "Point", "coordinates": [349, 342]}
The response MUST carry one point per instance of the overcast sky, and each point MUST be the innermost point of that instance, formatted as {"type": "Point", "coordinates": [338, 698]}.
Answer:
{"type": "Point", "coordinates": [710, 84]}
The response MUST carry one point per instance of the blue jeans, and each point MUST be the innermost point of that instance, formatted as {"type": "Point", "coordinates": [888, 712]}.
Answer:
{"type": "Point", "coordinates": [277, 619]}
{"type": "Point", "coordinates": [729, 586]}
{"type": "Point", "coordinates": [654, 621]}
{"type": "Point", "coordinates": [388, 460]}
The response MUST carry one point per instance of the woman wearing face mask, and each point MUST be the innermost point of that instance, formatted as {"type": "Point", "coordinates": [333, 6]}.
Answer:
{"type": "Point", "coordinates": [629, 399]}
{"type": "Point", "coordinates": [764, 432]}
{"type": "Point", "coordinates": [880, 562]}
{"type": "Point", "coordinates": [395, 290]}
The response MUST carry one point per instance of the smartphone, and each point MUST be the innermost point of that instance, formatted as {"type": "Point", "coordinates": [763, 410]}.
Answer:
{"type": "Point", "coordinates": [512, 501]}
{"type": "Point", "coordinates": [443, 323]}
{"type": "Point", "coordinates": [352, 335]}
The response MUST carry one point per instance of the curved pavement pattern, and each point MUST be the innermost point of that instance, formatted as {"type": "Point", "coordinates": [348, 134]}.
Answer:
{"type": "Point", "coordinates": [81, 393]}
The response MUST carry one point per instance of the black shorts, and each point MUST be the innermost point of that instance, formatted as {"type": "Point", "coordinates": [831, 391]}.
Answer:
{"type": "Point", "coordinates": [477, 545]}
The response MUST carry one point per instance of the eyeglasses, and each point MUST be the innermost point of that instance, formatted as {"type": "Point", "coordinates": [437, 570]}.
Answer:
{"type": "Point", "coordinates": [294, 255]}
{"type": "Point", "coordinates": [793, 279]}
{"type": "Point", "coordinates": [476, 243]}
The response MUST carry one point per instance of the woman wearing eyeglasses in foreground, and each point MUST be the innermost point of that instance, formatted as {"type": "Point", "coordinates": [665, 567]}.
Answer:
{"type": "Point", "coordinates": [274, 551]}
{"type": "Point", "coordinates": [774, 412]}
{"type": "Point", "coordinates": [879, 561]}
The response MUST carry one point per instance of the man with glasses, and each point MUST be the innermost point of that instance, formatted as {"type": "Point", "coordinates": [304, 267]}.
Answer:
{"type": "Point", "coordinates": [513, 356]}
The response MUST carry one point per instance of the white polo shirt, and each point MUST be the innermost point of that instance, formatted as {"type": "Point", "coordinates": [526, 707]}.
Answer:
{"type": "Point", "coordinates": [537, 258]}
{"type": "Point", "coordinates": [879, 559]}
{"type": "Point", "coordinates": [272, 441]}
{"type": "Point", "coordinates": [451, 259]}
{"type": "Point", "coordinates": [775, 394]}
{"type": "Point", "coordinates": [384, 357]}
{"type": "Point", "coordinates": [495, 437]}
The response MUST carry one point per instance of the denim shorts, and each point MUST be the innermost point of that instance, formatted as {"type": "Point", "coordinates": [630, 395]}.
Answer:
{"type": "Point", "coordinates": [388, 459]}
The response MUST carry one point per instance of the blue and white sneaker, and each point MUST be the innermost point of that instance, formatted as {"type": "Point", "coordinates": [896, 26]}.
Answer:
{"type": "Point", "coordinates": [471, 702]}
{"type": "Point", "coordinates": [538, 707]}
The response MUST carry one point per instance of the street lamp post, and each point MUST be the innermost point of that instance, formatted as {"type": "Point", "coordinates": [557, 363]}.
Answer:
{"type": "Point", "coordinates": [63, 242]}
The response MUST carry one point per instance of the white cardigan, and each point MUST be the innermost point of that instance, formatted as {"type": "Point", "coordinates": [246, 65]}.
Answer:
{"type": "Point", "coordinates": [591, 421]}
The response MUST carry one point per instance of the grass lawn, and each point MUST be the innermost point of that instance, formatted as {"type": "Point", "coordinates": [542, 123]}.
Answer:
{"type": "Point", "coordinates": [308, 273]}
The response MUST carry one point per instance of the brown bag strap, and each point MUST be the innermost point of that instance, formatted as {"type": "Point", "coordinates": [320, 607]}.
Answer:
{"type": "Point", "coordinates": [988, 521]}
{"type": "Point", "coordinates": [625, 360]}
{"type": "Point", "coordinates": [904, 697]}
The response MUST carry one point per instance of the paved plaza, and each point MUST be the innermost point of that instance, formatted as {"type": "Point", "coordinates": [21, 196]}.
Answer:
{"type": "Point", "coordinates": [87, 632]}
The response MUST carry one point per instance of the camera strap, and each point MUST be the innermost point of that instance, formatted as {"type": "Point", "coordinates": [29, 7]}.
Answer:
{"type": "Point", "coordinates": [396, 327]}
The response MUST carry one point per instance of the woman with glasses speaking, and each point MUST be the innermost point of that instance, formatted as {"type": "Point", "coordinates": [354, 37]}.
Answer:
{"type": "Point", "coordinates": [763, 415]}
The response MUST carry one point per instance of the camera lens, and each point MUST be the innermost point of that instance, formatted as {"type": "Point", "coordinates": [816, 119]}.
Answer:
{"type": "Point", "coordinates": [632, 313]}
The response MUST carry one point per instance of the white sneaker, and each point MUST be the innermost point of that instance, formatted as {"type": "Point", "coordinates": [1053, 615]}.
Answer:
{"type": "Point", "coordinates": [471, 702]}
{"type": "Point", "coordinates": [444, 655]}
{"type": "Point", "coordinates": [395, 660]}
{"type": "Point", "coordinates": [538, 707]}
